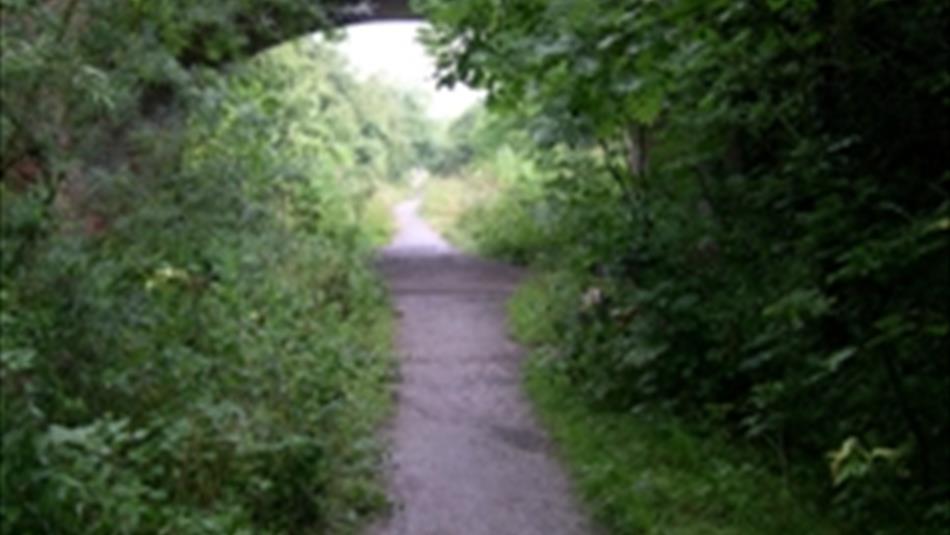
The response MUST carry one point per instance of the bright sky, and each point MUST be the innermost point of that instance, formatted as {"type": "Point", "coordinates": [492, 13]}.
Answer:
{"type": "Point", "coordinates": [390, 49]}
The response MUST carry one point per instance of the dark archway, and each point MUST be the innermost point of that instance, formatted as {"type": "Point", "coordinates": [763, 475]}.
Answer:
{"type": "Point", "coordinates": [263, 26]}
{"type": "Point", "coordinates": [381, 10]}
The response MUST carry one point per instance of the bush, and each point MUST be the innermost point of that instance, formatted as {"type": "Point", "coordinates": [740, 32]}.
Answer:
{"type": "Point", "coordinates": [193, 342]}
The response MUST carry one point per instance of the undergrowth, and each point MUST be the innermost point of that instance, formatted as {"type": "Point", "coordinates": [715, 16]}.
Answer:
{"type": "Point", "coordinates": [446, 200]}
{"type": "Point", "coordinates": [377, 214]}
{"type": "Point", "coordinates": [483, 215]}
{"type": "Point", "coordinates": [647, 472]}
{"type": "Point", "coordinates": [196, 343]}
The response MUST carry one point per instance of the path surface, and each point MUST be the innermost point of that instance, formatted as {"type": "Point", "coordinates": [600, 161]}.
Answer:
{"type": "Point", "coordinates": [468, 457]}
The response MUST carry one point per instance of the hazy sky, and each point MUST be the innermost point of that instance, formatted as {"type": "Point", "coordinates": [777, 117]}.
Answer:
{"type": "Point", "coordinates": [390, 49]}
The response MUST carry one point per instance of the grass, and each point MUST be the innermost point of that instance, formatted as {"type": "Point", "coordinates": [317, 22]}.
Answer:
{"type": "Point", "coordinates": [650, 473]}
{"type": "Point", "coordinates": [377, 212]}
{"type": "Point", "coordinates": [445, 200]}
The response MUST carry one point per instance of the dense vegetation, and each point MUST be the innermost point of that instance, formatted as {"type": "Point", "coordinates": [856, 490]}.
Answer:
{"type": "Point", "coordinates": [191, 339]}
{"type": "Point", "coordinates": [647, 471]}
{"type": "Point", "coordinates": [746, 206]}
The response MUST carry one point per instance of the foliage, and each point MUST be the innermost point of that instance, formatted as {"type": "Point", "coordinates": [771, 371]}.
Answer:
{"type": "Point", "coordinates": [192, 341]}
{"type": "Point", "coordinates": [377, 216]}
{"type": "Point", "coordinates": [486, 143]}
{"type": "Point", "coordinates": [485, 179]}
{"type": "Point", "coordinates": [445, 200]}
{"type": "Point", "coordinates": [648, 472]}
{"type": "Point", "coordinates": [754, 200]}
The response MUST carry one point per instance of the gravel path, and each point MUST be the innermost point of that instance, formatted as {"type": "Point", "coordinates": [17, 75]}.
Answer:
{"type": "Point", "coordinates": [468, 457]}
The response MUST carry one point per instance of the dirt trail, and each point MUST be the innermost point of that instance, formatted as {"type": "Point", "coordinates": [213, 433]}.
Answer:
{"type": "Point", "coordinates": [468, 457]}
